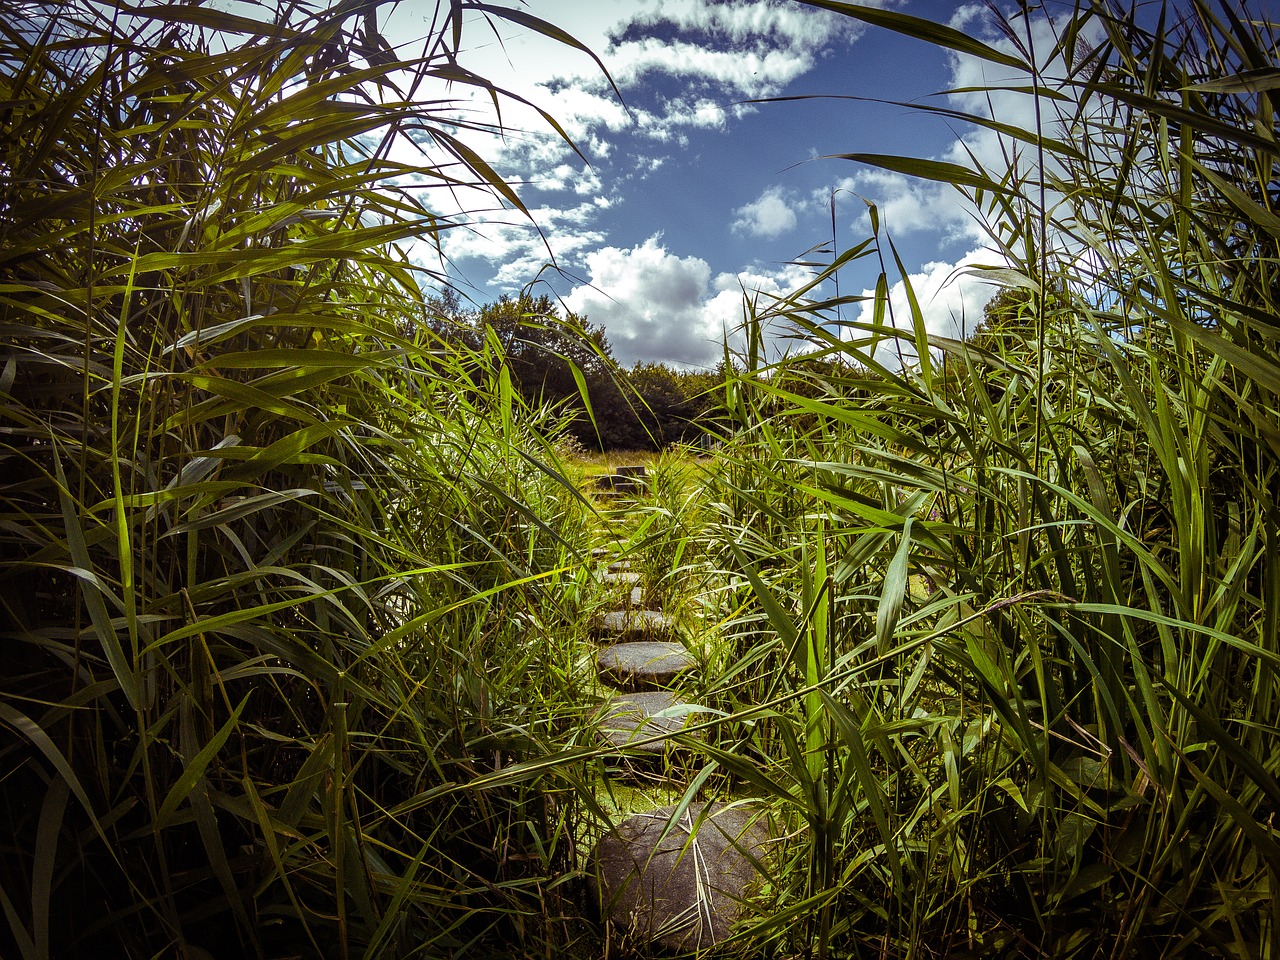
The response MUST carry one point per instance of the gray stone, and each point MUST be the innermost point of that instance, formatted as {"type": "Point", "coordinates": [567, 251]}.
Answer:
{"type": "Point", "coordinates": [632, 716]}
{"type": "Point", "coordinates": [623, 578]}
{"type": "Point", "coordinates": [628, 479]}
{"type": "Point", "coordinates": [622, 625]}
{"type": "Point", "coordinates": [686, 889]}
{"type": "Point", "coordinates": [642, 664]}
{"type": "Point", "coordinates": [637, 596]}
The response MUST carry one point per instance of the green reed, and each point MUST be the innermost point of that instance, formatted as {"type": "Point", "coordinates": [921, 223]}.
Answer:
{"type": "Point", "coordinates": [275, 559]}
{"type": "Point", "coordinates": [1044, 556]}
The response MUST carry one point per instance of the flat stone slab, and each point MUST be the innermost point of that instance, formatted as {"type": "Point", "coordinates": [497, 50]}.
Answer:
{"type": "Point", "coordinates": [619, 626]}
{"type": "Point", "coordinates": [620, 578]}
{"type": "Point", "coordinates": [642, 664]}
{"type": "Point", "coordinates": [633, 716]}
{"type": "Point", "coordinates": [623, 479]}
{"type": "Point", "coordinates": [686, 889]}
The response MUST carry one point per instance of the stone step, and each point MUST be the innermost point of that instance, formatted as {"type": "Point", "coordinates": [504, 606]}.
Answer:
{"type": "Point", "coordinates": [633, 716]}
{"type": "Point", "coordinates": [683, 887]}
{"type": "Point", "coordinates": [642, 664]}
{"type": "Point", "coordinates": [621, 578]}
{"type": "Point", "coordinates": [628, 479]}
{"type": "Point", "coordinates": [620, 626]}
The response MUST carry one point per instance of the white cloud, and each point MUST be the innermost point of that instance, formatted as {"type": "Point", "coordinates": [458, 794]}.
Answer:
{"type": "Point", "coordinates": [751, 73]}
{"type": "Point", "coordinates": [569, 178]}
{"type": "Point", "coordinates": [950, 299]}
{"type": "Point", "coordinates": [676, 115]}
{"type": "Point", "coordinates": [585, 111]}
{"type": "Point", "coordinates": [908, 205]}
{"type": "Point", "coordinates": [517, 248]}
{"type": "Point", "coordinates": [650, 303]}
{"type": "Point", "coordinates": [655, 305]}
{"type": "Point", "coordinates": [769, 215]}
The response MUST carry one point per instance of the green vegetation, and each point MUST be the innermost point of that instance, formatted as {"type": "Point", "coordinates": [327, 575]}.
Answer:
{"type": "Point", "coordinates": [281, 569]}
{"type": "Point", "coordinates": [564, 362]}
{"type": "Point", "coordinates": [294, 584]}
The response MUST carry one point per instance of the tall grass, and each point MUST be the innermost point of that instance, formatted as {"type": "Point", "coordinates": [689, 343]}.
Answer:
{"type": "Point", "coordinates": [1009, 609]}
{"type": "Point", "coordinates": [293, 592]}
{"type": "Point", "coordinates": [275, 563]}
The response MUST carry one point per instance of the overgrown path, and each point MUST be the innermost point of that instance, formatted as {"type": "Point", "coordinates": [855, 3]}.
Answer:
{"type": "Point", "coordinates": [675, 874]}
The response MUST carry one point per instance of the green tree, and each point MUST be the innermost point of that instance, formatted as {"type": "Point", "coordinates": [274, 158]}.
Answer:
{"type": "Point", "coordinates": [544, 346]}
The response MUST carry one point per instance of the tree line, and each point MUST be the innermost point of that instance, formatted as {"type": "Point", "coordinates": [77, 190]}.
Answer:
{"type": "Point", "coordinates": [558, 358]}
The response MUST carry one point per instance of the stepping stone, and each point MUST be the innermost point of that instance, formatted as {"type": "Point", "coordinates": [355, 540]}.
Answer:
{"type": "Point", "coordinates": [686, 889]}
{"type": "Point", "coordinates": [637, 596]}
{"type": "Point", "coordinates": [623, 578]}
{"type": "Point", "coordinates": [619, 626]}
{"type": "Point", "coordinates": [619, 566]}
{"type": "Point", "coordinates": [623, 479]}
{"type": "Point", "coordinates": [642, 665]}
{"type": "Point", "coordinates": [631, 716]}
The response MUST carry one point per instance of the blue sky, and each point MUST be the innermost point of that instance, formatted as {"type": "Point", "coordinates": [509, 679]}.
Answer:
{"type": "Point", "coordinates": [690, 195]}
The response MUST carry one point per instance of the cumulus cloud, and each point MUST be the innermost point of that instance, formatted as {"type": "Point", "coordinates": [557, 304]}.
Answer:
{"type": "Point", "coordinates": [906, 205]}
{"type": "Point", "coordinates": [566, 177]}
{"type": "Point", "coordinates": [656, 305]}
{"type": "Point", "coordinates": [746, 49]}
{"type": "Point", "coordinates": [769, 215]}
{"type": "Point", "coordinates": [753, 72]}
{"type": "Point", "coordinates": [649, 302]}
{"type": "Point", "coordinates": [517, 248]}
{"type": "Point", "coordinates": [951, 299]}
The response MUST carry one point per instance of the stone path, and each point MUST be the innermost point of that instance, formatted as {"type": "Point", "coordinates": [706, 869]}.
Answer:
{"type": "Point", "coordinates": [620, 626]}
{"type": "Point", "coordinates": [643, 664]}
{"type": "Point", "coordinates": [677, 878]}
{"type": "Point", "coordinates": [631, 717]}
{"type": "Point", "coordinates": [681, 880]}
